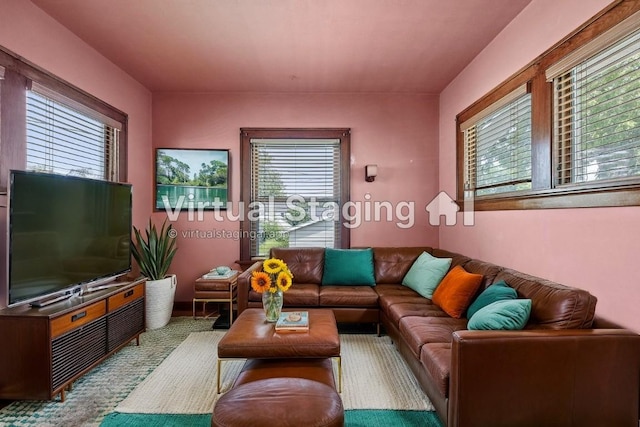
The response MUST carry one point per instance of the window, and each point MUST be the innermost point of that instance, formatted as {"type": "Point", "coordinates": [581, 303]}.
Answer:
{"type": "Point", "coordinates": [498, 147]}
{"type": "Point", "coordinates": [564, 132]}
{"type": "Point", "coordinates": [597, 115]}
{"type": "Point", "coordinates": [294, 185]}
{"type": "Point", "coordinates": [69, 141]}
{"type": "Point", "coordinates": [51, 126]}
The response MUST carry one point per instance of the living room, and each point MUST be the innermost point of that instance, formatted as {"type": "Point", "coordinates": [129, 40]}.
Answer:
{"type": "Point", "coordinates": [555, 244]}
{"type": "Point", "coordinates": [409, 134]}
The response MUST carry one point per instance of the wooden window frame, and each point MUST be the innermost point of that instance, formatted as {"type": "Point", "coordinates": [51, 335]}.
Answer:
{"type": "Point", "coordinates": [247, 134]}
{"type": "Point", "coordinates": [543, 193]}
{"type": "Point", "coordinates": [13, 139]}
{"type": "Point", "coordinates": [473, 144]}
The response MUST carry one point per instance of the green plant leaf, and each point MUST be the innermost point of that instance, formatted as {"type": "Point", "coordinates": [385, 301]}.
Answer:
{"type": "Point", "coordinates": [155, 253]}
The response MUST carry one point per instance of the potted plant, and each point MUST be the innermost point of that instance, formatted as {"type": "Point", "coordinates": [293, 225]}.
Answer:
{"type": "Point", "coordinates": [154, 253]}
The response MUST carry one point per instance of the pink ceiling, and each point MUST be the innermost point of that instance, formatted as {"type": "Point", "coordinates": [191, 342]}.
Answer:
{"type": "Point", "coordinates": [288, 45]}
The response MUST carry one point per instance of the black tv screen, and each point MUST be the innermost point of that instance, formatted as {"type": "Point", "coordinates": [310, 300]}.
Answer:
{"type": "Point", "coordinates": [65, 232]}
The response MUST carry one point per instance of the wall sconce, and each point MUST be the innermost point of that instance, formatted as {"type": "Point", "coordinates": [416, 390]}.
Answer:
{"type": "Point", "coordinates": [370, 172]}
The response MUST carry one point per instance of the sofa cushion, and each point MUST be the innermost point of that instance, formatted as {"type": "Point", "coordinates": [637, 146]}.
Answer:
{"type": "Point", "coordinates": [387, 301]}
{"type": "Point", "coordinates": [426, 273]}
{"type": "Point", "coordinates": [436, 358]}
{"type": "Point", "coordinates": [301, 295]}
{"type": "Point", "coordinates": [425, 308]}
{"type": "Point", "coordinates": [553, 306]}
{"type": "Point", "coordinates": [348, 296]}
{"type": "Point", "coordinates": [417, 331]}
{"type": "Point", "coordinates": [306, 264]}
{"type": "Point", "coordinates": [255, 296]}
{"type": "Point", "coordinates": [496, 292]}
{"type": "Point", "coordinates": [298, 295]}
{"type": "Point", "coordinates": [502, 315]}
{"type": "Point", "coordinates": [392, 264]}
{"type": "Point", "coordinates": [394, 289]}
{"type": "Point", "coordinates": [456, 291]}
{"type": "Point", "coordinates": [389, 294]}
{"type": "Point", "coordinates": [348, 267]}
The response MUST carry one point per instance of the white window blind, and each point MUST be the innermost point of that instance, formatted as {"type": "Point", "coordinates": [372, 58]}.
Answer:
{"type": "Point", "coordinates": [298, 183]}
{"type": "Point", "coordinates": [67, 138]}
{"type": "Point", "coordinates": [497, 145]}
{"type": "Point", "coordinates": [597, 109]}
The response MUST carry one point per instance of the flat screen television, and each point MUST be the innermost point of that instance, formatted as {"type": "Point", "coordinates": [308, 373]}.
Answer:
{"type": "Point", "coordinates": [65, 234]}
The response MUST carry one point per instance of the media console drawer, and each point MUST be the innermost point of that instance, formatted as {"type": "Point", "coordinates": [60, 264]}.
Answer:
{"type": "Point", "coordinates": [77, 318]}
{"type": "Point", "coordinates": [125, 297]}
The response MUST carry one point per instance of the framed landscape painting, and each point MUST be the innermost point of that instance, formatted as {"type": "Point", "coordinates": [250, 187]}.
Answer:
{"type": "Point", "coordinates": [191, 178]}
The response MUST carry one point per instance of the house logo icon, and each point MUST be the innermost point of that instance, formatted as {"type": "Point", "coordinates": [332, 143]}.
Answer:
{"type": "Point", "coordinates": [444, 205]}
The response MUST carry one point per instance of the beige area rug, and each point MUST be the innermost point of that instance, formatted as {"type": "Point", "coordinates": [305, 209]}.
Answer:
{"type": "Point", "coordinates": [373, 373]}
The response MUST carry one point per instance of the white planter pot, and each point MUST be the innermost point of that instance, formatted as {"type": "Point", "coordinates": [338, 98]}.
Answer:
{"type": "Point", "coordinates": [159, 301]}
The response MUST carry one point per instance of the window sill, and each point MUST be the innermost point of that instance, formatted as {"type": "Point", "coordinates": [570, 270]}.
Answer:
{"type": "Point", "coordinates": [562, 198]}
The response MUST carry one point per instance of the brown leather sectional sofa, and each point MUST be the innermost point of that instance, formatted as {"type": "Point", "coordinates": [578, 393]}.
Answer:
{"type": "Point", "coordinates": [561, 370]}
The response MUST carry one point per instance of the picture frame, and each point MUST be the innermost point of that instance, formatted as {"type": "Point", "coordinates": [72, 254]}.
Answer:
{"type": "Point", "coordinates": [191, 178]}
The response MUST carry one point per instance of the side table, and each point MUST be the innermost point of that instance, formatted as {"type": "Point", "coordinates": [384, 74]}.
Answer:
{"type": "Point", "coordinates": [216, 290]}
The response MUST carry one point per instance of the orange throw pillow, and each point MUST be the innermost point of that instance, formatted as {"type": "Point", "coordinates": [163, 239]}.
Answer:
{"type": "Point", "coordinates": [455, 292]}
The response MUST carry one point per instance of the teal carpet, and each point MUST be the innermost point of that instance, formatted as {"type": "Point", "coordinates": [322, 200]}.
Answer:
{"type": "Point", "coordinates": [353, 418]}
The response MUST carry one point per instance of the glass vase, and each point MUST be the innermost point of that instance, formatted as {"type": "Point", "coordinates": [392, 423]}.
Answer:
{"type": "Point", "coordinates": [272, 304]}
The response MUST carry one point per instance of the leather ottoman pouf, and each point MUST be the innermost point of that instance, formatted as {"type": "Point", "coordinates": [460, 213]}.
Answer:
{"type": "Point", "coordinates": [285, 402]}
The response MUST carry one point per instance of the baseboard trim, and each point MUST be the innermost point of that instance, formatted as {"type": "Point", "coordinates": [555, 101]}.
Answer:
{"type": "Point", "coordinates": [182, 308]}
{"type": "Point", "coordinates": [185, 308]}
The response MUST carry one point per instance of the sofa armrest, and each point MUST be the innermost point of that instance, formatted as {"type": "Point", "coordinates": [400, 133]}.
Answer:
{"type": "Point", "coordinates": [244, 286]}
{"type": "Point", "coordinates": [586, 377]}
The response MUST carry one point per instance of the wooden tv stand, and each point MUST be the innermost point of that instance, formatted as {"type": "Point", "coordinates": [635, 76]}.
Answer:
{"type": "Point", "coordinates": [44, 350]}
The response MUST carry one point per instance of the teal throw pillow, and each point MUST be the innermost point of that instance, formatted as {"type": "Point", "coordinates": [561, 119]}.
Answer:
{"type": "Point", "coordinates": [426, 273]}
{"type": "Point", "coordinates": [508, 314]}
{"type": "Point", "coordinates": [348, 267]}
{"type": "Point", "coordinates": [496, 292]}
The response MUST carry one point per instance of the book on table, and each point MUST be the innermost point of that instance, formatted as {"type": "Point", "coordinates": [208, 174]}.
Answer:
{"type": "Point", "coordinates": [293, 321]}
{"type": "Point", "coordinates": [213, 275]}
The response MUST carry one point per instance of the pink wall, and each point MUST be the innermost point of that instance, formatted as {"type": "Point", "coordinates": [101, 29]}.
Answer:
{"type": "Point", "coordinates": [34, 35]}
{"type": "Point", "coordinates": [595, 249]}
{"type": "Point", "coordinates": [396, 132]}
{"type": "Point", "coordinates": [30, 33]}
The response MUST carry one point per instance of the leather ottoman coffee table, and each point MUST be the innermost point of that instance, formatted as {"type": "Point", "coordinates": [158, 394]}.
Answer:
{"type": "Point", "coordinates": [252, 337]}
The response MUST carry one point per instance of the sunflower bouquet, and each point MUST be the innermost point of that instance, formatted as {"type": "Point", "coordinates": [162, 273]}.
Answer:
{"type": "Point", "coordinates": [274, 279]}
